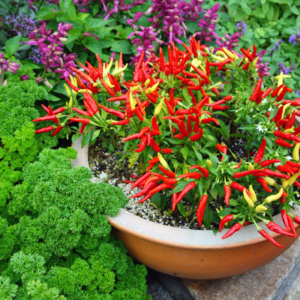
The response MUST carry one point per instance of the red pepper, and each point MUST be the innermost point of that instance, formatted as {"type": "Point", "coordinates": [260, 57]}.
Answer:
{"type": "Point", "coordinates": [293, 164]}
{"type": "Point", "coordinates": [247, 54]}
{"type": "Point", "coordinates": [266, 92]}
{"type": "Point", "coordinates": [161, 187]}
{"type": "Point", "coordinates": [223, 63]}
{"type": "Point", "coordinates": [295, 218]}
{"type": "Point", "coordinates": [261, 151]}
{"type": "Point", "coordinates": [187, 49]}
{"type": "Point", "coordinates": [154, 145]}
{"type": "Point", "coordinates": [112, 111]}
{"type": "Point", "coordinates": [80, 120]}
{"type": "Point", "coordinates": [194, 175]}
{"type": "Point", "coordinates": [263, 184]}
{"type": "Point", "coordinates": [151, 179]}
{"type": "Point", "coordinates": [141, 179]}
{"type": "Point", "coordinates": [162, 60]}
{"type": "Point", "coordinates": [282, 200]}
{"type": "Point", "coordinates": [256, 91]}
{"type": "Point", "coordinates": [123, 122]}
{"type": "Point", "coordinates": [108, 89]}
{"type": "Point", "coordinates": [57, 130]}
{"type": "Point", "coordinates": [275, 174]}
{"type": "Point", "coordinates": [240, 188]}
{"type": "Point", "coordinates": [46, 118]}
{"type": "Point", "coordinates": [119, 98]}
{"type": "Point", "coordinates": [201, 209]}
{"type": "Point", "coordinates": [219, 107]}
{"type": "Point", "coordinates": [165, 179]}
{"type": "Point", "coordinates": [238, 165]}
{"type": "Point", "coordinates": [189, 187]}
{"type": "Point", "coordinates": [167, 172]}
{"type": "Point", "coordinates": [100, 67]}
{"type": "Point", "coordinates": [75, 88]}
{"type": "Point", "coordinates": [245, 173]}
{"type": "Point", "coordinates": [285, 219]}
{"type": "Point", "coordinates": [276, 228]}
{"type": "Point", "coordinates": [169, 107]}
{"type": "Point", "coordinates": [154, 124]}
{"type": "Point", "coordinates": [224, 221]}
{"type": "Point", "coordinates": [275, 92]}
{"type": "Point", "coordinates": [203, 170]}
{"type": "Point", "coordinates": [83, 75]}
{"type": "Point", "coordinates": [46, 129]}
{"type": "Point", "coordinates": [283, 143]}
{"type": "Point", "coordinates": [148, 188]}
{"type": "Point", "coordinates": [216, 103]}
{"type": "Point", "coordinates": [266, 163]}
{"type": "Point", "coordinates": [201, 74]}
{"type": "Point", "coordinates": [246, 66]}
{"type": "Point", "coordinates": [282, 94]}
{"type": "Point", "coordinates": [170, 57]}
{"type": "Point", "coordinates": [232, 230]}
{"type": "Point", "coordinates": [285, 169]}
{"type": "Point", "coordinates": [209, 120]}
{"type": "Point", "coordinates": [228, 97]}
{"type": "Point", "coordinates": [166, 150]}
{"type": "Point", "coordinates": [82, 112]}
{"type": "Point", "coordinates": [131, 137]}
{"type": "Point", "coordinates": [145, 198]}
{"type": "Point", "coordinates": [179, 136]}
{"type": "Point", "coordinates": [143, 132]}
{"type": "Point", "coordinates": [142, 145]}
{"type": "Point", "coordinates": [207, 69]}
{"type": "Point", "coordinates": [227, 196]}
{"type": "Point", "coordinates": [269, 238]}
{"type": "Point", "coordinates": [291, 121]}
{"type": "Point", "coordinates": [291, 225]}
{"type": "Point", "coordinates": [197, 136]}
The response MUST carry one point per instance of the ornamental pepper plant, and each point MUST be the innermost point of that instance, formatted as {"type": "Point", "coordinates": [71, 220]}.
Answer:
{"type": "Point", "coordinates": [181, 115]}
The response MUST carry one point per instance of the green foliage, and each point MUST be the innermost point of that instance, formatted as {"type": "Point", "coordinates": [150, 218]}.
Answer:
{"type": "Point", "coordinates": [268, 21]}
{"type": "Point", "coordinates": [55, 240]}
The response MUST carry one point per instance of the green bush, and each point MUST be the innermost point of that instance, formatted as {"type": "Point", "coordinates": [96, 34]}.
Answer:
{"type": "Point", "coordinates": [55, 240]}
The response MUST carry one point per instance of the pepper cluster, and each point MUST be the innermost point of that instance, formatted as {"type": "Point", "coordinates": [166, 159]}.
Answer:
{"type": "Point", "coordinates": [171, 111]}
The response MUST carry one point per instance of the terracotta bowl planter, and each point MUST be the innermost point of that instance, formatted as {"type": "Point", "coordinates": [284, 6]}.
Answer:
{"type": "Point", "coordinates": [192, 254]}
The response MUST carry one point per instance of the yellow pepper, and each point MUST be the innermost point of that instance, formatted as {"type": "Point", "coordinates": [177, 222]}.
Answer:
{"type": "Point", "coordinates": [70, 104]}
{"type": "Point", "coordinates": [296, 152]}
{"type": "Point", "coordinates": [270, 181]}
{"type": "Point", "coordinates": [248, 199]}
{"type": "Point", "coordinates": [68, 90]}
{"type": "Point", "coordinates": [253, 195]}
{"type": "Point", "coordinates": [274, 197]}
{"type": "Point", "coordinates": [260, 208]}
{"type": "Point", "coordinates": [255, 61]}
{"type": "Point", "coordinates": [85, 91]}
{"type": "Point", "coordinates": [284, 109]}
{"type": "Point", "coordinates": [293, 179]}
{"type": "Point", "coordinates": [119, 70]}
{"type": "Point", "coordinates": [218, 58]}
{"type": "Point", "coordinates": [209, 162]}
{"type": "Point", "coordinates": [162, 161]}
{"type": "Point", "coordinates": [131, 101]}
{"type": "Point", "coordinates": [290, 130]}
{"type": "Point", "coordinates": [153, 88]}
{"type": "Point", "coordinates": [284, 76]}
{"type": "Point", "coordinates": [280, 79]}
{"type": "Point", "coordinates": [135, 88]}
{"type": "Point", "coordinates": [250, 167]}
{"type": "Point", "coordinates": [285, 183]}
{"type": "Point", "coordinates": [229, 53]}
{"type": "Point", "coordinates": [221, 53]}
{"type": "Point", "coordinates": [228, 73]}
{"type": "Point", "coordinates": [159, 107]}
{"type": "Point", "coordinates": [147, 82]}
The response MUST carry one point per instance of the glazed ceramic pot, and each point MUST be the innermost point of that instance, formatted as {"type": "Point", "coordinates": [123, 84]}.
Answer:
{"type": "Point", "coordinates": [192, 254]}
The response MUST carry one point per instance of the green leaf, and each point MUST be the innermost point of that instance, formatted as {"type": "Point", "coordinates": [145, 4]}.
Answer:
{"type": "Point", "coordinates": [72, 11]}
{"type": "Point", "coordinates": [121, 46]}
{"type": "Point", "coordinates": [208, 215]}
{"type": "Point", "coordinates": [92, 44]}
{"type": "Point", "coordinates": [96, 23]}
{"type": "Point", "coordinates": [45, 13]}
{"type": "Point", "coordinates": [12, 45]}
{"type": "Point", "coordinates": [74, 34]}
{"type": "Point", "coordinates": [185, 152]}
{"type": "Point", "coordinates": [180, 186]}
{"type": "Point", "coordinates": [294, 10]}
{"type": "Point", "coordinates": [181, 208]}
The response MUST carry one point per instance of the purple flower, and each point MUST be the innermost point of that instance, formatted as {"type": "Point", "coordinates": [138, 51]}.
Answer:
{"type": "Point", "coordinates": [148, 36]}
{"type": "Point", "coordinates": [276, 45]}
{"type": "Point", "coordinates": [230, 43]}
{"type": "Point", "coordinates": [113, 56]}
{"type": "Point", "coordinates": [24, 77]}
{"type": "Point", "coordinates": [5, 65]}
{"type": "Point", "coordinates": [262, 68]}
{"type": "Point", "coordinates": [242, 28]}
{"type": "Point", "coordinates": [286, 70]}
{"type": "Point", "coordinates": [50, 51]}
{"type": "Point", "coordinates": [295, 38]}
{"type": "Point", "coordinates": [208, 24]}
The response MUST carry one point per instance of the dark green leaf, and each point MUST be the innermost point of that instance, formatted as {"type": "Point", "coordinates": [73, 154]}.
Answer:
{"type": "Point", "coordinates": [92, 44]}
{"type": "Point", "coordinates": [12, 45]}
{"type": "Point", "coordinates": [121, 46]}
